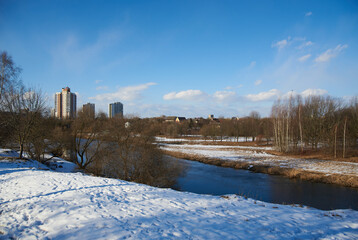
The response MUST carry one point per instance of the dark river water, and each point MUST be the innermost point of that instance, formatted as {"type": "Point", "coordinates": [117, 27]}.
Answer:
{"type": "Point", "coordinates": [208, 179]}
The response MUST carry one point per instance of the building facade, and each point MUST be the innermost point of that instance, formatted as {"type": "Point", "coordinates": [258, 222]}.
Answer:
{"type": "Point", "coordinates": [89, 109]}
{"type": "Point", "coordinates": [115, 110]}
{"type": "Point", "coordinates": [65, 104]}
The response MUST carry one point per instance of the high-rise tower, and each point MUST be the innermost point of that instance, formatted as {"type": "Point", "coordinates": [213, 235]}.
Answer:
{"type": "Point", "coordinates": [65, 104]}
{"type": "Point", "coordinates": [89, 109]}
{"type": "Point", "coordinates": [115, 110]}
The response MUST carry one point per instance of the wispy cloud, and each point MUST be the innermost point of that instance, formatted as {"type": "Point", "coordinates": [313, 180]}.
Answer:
{"type": "Point", "coordinates": [281, 44]}
{"type": "Point", "coordinates": [297, 42]}
{"type": "Point", "coordinates": [198, 95]}
{"type": "Point", "coordinates": [128, 93]}
{"type": "Point", "coordinates": [308, 14]}
{"type": "Point", "coordinates": [98, 81]}
{"type": "Point", "coordinates": [305, 44]}
{"type": "Point", "coordinates": [258, 82]}
{"type": "Point", "coordinates": [304, 58]}
{"type": "Point", "coordinates": [185, 95]}
{"type": "Point", "coordinates": [263, 96]}
{"type": "Point", "coordinates": [331, 53]}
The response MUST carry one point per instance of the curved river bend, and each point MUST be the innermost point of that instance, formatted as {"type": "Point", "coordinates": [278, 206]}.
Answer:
{"type": "Point", "coordinates": [208, 179]}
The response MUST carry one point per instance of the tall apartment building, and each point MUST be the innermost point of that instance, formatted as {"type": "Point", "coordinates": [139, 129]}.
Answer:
{"type": "Point", "coordinates": [65, 104]}
{"type": "Point", "coordinates": [115, 110]}
{"type": "Point", "coordinates": [89, 108]}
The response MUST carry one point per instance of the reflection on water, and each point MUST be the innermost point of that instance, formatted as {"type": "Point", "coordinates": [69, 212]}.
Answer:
{"type": "Point", "coordinates": [207, 179]}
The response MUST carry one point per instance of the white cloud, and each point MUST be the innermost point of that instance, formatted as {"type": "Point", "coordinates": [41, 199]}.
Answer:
{"type": "Point", "coordinates": [304, 58]}
{"type": "Point", "coordinates": [289, 95]}
{"type": "Point", "coordinates": [263, 96]}
{"type": "Point", "coordinates": [258, 82]}
{"type": "Point", "coordinates": [331, 53]}
{"type": "Point", "coordinates": [185, 95]}
{"type": "Point", "coordinates": [298, 42]}
{"type": "Point", "coordinates": [308, 14]}
{"type": "Point", "coordinates": [315, 92]}
{"type": "Point", "coordinates": [128, 93]}
{"type": "Point", "coordinates": [305, 44]}
{"type": "Point", "coordinates": [224, 95]}
{"type": "Point", "coordinates": [98, 81]}
{"type": "Point", "coordinates": [280, 44]}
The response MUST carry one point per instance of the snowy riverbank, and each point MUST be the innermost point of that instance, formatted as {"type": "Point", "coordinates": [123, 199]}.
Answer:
{"type": "Point", "coordinates": [37, 203]}
{"type": "Point", "coordinates": [257, 156]}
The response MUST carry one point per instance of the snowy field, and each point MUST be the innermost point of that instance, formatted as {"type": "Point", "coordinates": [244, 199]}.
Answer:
{"type": "Point", "coordinates": [38, 203]}
{"type": "Point", "coordinates": [257, 156]}
{"type": "Point", "coordinates": [199, 138]}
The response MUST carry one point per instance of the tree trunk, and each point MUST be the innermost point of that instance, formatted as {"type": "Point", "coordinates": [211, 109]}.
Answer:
{"type": "Point", "coordinates": [21, 150]}
{"type": "Point", "coordinates": [335, 141]}
{"type": "Point", "coordinates": [287, 132]}
{"type": "Point", "coordinates": [300, 126]}
{"type": "Point", "coordinates": [344, 137]}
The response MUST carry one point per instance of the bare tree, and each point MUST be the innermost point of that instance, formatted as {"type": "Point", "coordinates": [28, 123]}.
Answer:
{"type": "Point", "coordinates": [24, 109]}
{"type": "Point", "coordinates": [9, 72]}
{"type": "Point", "coordinates": [88, 143]}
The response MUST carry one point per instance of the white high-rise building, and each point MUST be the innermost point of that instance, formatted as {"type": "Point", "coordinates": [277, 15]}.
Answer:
{"type": "Point", "coordinates": [65, 104]}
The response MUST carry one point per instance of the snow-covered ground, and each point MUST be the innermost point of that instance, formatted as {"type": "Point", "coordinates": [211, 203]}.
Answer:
{"type": "Point", "coordinates": [55, 163]}
{"type": "Point", "coordinates": [257, 156]}
{"type": "Point", "coordinates": [199, 138]}
{"type": "Point", "coordinates": [36, 203]}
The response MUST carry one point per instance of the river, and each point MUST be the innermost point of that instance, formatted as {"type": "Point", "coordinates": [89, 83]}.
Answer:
{"type": "Point", "coordinates": [208, 179]}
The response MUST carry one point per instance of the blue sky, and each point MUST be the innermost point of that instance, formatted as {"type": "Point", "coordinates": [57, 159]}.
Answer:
{"type": "Point", "coordinates": [187, 58]}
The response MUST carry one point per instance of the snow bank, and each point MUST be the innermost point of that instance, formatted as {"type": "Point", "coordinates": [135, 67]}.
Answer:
{"type": "Point", "coordinates": [255, 155]}
{"type": "Point", "coordinates": [218, 151]}
{"type": "Point", "coordinates": [43, 204]}
{"type": "Point", "coordinates": [199, 138]}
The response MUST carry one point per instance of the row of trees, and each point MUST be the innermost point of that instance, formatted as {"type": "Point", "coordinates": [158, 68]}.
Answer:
{"type": "Point", "coordinates": [317, 122]}
{"type": "Point", "coordinates": [248, 127]}
{"type": "Point", "coordinates": [296, 124]}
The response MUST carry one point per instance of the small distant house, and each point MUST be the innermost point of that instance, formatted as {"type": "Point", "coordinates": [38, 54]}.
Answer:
{"type": "Point", "coordinates": [170, 119]}
{"type": "Point", "coordinates": [180, 119]}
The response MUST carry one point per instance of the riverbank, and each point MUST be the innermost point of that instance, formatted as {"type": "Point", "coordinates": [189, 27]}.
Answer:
{"type": "Point", "coordinates": [261, 159]}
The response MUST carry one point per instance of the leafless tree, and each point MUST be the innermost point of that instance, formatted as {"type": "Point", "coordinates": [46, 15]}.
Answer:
{"type": "Point", "coordinates": [135, 156]}
{"type": "Point", "coordinates": [9, 72]}
{"type": "Point", "coordinates": [24, 109]}
{"type": "Point", "coordinates": [88, 144]}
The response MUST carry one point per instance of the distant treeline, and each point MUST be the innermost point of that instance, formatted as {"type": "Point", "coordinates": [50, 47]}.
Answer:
{"type": "Point", "coordinates": [296, 124]}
